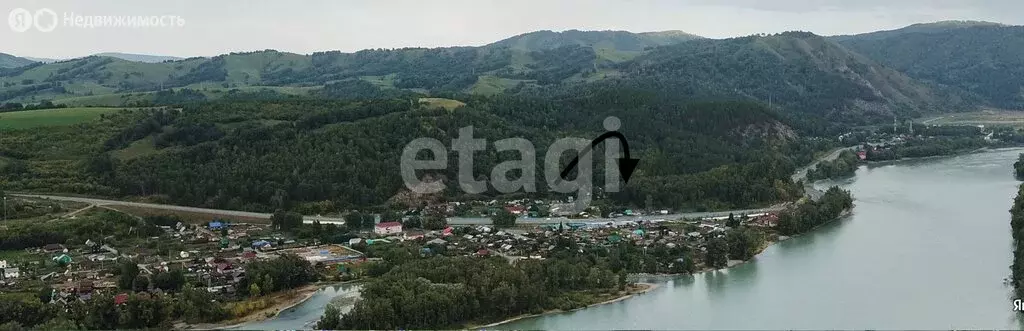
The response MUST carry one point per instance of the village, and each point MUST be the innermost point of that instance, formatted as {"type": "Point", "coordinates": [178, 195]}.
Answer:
{"type": "Point", "coordinates": [215, 253]}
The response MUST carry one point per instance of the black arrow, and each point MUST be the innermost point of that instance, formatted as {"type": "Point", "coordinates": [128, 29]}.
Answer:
{"type": "Point", "coordinates": [626, 163]}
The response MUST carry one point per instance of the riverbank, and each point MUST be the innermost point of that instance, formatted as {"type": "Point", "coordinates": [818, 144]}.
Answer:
{"type": "Point", "coordinates": [803, 277]}
{"type": "Point", "coordinates": [632, 290]}
{"type": "Point", "coordinates": [954, 153]}
{"type": "Point", "coordinates": [279, 302]}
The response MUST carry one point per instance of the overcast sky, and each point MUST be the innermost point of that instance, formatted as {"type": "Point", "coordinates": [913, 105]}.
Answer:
{"type": "Point", "coordinates": [214, 27]}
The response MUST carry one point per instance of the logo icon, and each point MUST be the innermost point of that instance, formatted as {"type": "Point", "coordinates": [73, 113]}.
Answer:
{"type": "Point", "coordinates": [20, 20]}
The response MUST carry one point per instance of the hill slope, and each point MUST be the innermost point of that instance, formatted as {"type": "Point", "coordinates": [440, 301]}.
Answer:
{"type": "Point", "coordinates": [545, 56]}
{"type": "Point", "coordinates": [11, 61]}
{"type": "Point", "coordinates": [984, 60]}
{"type": "Point", "coordinates": [140, 57]}
{"type": "Point", "coordinates": [617, 40]}
{"type": "Point", "coordinates": [798, 71]}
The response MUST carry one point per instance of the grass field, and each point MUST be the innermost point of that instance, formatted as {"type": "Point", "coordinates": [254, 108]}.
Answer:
{"type": "Point", "coordinates": [105, 100]}
{"type": "Point", "coordinates": [50, 117]}
{"type": "Point", "coordinates": [490, 85]}
{"type": "Point", "coordinates": [136, 149]}
{"type": "Point", "coordinates": [448, 104]}
{"type": "Point", "coordinates": [984, 117]}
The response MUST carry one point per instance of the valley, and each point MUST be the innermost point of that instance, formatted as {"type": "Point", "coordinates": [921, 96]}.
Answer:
{"type": "Point", "coordinates": [151, 191]}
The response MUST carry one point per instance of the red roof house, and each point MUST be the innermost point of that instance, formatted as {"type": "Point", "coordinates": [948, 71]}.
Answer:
{"type": "Point", "coordinates": [387, 228]}
{"type": "Point", "coordinates": [121, 299]}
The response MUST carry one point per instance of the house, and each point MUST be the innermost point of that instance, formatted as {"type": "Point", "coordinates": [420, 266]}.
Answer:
{"type": "Point", "coordinates": [216, 225]}
{"type": "Point", "coordinates": [11, 273]}
{"type": "Point", "coordinates": [3, 264]}
{"type": "Point", "coordinates": [261, 244]}
{"type": "Point", "coordinates": [85, 288]}
{"type": "Point", "coordinates": [437, 242]}
{"type": "Point", "coordinates": [516, 210]}
{"type": "Point", "coordinates": [387, 228]}
{"type": "Point", "coordinates": [413, 235]}
{"type": "Point", "coordinates": [862, 155]}
{"type": "Point", "coordinates": [354, 241]}
{"type": "Point", "coordinates": [121, 299]}
{"type": "Point", "coordinates": [51, 248]}
{"type": "Point", "coordinates": [483, 252]}
{"type": "Point", "coordinates": [768, 220]}
{"type": "Point", "coordinates": [224, 267]}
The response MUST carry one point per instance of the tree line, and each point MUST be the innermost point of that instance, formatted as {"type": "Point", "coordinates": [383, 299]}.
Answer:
{"type": "Point", "coordinates": [811, 214]}
{"type": "Point", "coordinates": [1017, 232]}
{"type": "Point", "coordinates": [843, 166]}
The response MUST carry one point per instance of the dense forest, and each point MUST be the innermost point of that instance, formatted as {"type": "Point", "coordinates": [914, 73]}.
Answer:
{"type": "Point", "coordinates": [843, 166]}
{"type": "Point", "coordinates": [1018, 167]}
{"type": "Point", "coordinates": [1016, 228]}
{"type": "Point", "coordinates": [926, 147]}
{"type": "Point", "coordinates": [980, 59]}
{"type": "Point", "coordinates": [448, 292]}
{"type": "Point", "coordinates": [810, 215]}
{"type": "Point", "coordinates": [304, 153]}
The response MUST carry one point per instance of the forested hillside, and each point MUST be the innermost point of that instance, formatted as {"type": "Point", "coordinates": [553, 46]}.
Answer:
{"type": "Point", "coordinates": [268, 154]}
{"type": "Point", "coordinates": [11, 61]}
{"type": "Point", "coordinates": [980, 60]}
{"type": "Point", "coordinates": [795, 71]}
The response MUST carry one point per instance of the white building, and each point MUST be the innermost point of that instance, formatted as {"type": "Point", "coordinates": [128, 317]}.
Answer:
{"type": "Point", "coordinates": [3, 264]}
{"type": "Point", "coordinates": [11, 273]}
{"type": "Point", "coordinates": [387, 228]}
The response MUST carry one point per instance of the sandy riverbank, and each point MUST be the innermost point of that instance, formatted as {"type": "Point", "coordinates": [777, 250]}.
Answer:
{"type": "Point", "coordinates": [635, 289]}
{"type": "Point", "coordinates": [279, 302]}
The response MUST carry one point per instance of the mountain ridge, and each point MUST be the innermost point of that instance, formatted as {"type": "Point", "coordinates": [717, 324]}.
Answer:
{"type": "Point", "coordinates": [830, 76]}
{"type": "Point", "coordinates": [12, 61]}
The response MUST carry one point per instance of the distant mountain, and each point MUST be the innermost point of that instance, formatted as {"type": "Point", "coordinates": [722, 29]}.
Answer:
{"type": "Point", "coordinates": [614, 40]}
{"type": "Point", "coordinates": [11, 61]}
{"type": "Point", "coordinates": [542, 57]}
{"type": "Point", "coordinates": [140, 57]}
{"type": "Point", "coordinates": [852, 80]}
{"type": "Point", "coordinates": [796, 71]}
{"type": "Point", "coordinates": [935, 27]}
{"type": "Point", "coordinates": [981, 59]}
{"type": "Point", "coordinates": [42, 59]}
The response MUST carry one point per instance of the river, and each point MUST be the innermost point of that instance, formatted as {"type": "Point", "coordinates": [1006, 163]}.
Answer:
{"type": "Point", "coordinates": [927, 247]}
{"type": "Point", "coordinates": [306, 314]}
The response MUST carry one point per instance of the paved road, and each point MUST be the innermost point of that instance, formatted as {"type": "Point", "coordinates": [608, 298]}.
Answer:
{"type": "Point", "coordinates": [321, 219]}
{"type": "Point", "coordinates": [103, 202]}
{"type": "Point", "coordinates": [556, 220]}
{"type": "Point", "coordinates": [799, 175]}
